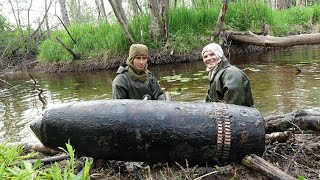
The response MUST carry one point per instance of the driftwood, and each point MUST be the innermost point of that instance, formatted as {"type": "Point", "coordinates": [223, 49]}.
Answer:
{"type": "Point", "coordinates": [39, 93]}
{"type": "Point", "coordinates": [39, 148]}
{"type": "Point", "coordinates": [264, 167]}
{"type": "Point", "coordinates": [260, 40]}
{"type": "Point", "coordinates": [74, 55]}
{"type": "Point", "coordinates": [220, 21]}
{"type": "Point", "coordinates": [67, 30]}
{"type": "Point", "coordinates": [35, 147]}
{"type": "Point", "coordinates": [5, 82]}
{"type": "Point", "coordinates": [51, 159]}
{"type": "Point", "coordinates": [278, 136]}
{"type": "Point", "coordinates": [301, 119]}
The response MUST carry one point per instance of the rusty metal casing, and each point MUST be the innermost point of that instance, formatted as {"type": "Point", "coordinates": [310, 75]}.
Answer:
{"type": "Point", "coordinates": [154, 131]}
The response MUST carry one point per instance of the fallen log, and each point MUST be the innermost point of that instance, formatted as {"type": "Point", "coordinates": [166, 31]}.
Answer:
{"type": "Point", "coordinates": [278, 136]}
{"type": "Point", "coordinates": [39, 148]}
{"type": "Point", "coordinates": [154, 131]}
{"type": "Point", "coordinates": [264, 167]}
{"type": "Point", "coordinates": [35, 147]}
{"type": "Point", "coordinates": [301, 119]}
{"type": "Point", "coordinates": [260, 40]}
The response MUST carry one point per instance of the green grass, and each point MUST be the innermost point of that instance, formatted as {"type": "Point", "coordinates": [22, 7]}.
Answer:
{"type": "Point", "coordinates": [188, 29]}
{"type": "Point", "coordinates": [14, 165]}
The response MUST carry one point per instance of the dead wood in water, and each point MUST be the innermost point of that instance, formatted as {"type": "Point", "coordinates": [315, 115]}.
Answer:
{"type": "Point", "coordinates": [301, 119]}
{"type": "Point", "coordinates": [74, 55]}
{"type": "Point", "coordinates": [261, 40]}
{"type": "Point", "coordinates": [5, 82]}
{"type": "Point", "coordinates": [44, 103]}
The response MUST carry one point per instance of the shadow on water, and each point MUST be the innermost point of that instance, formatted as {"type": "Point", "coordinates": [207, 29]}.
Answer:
{"type": "Point", "coordinates": [281, 81]}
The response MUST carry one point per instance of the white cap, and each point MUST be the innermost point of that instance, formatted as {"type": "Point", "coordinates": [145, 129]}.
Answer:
{"type": "Point", "coordinates": [215, 48]}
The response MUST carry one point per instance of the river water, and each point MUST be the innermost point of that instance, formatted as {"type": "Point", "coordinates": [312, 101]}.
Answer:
{"type": "Point", "coordinates": [277, 86]}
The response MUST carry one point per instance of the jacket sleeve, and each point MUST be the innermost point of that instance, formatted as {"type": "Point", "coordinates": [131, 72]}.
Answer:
{"type": "Point", "coordinates": [233, 91]}
{"type": "Point", "coordinates": [119, 87]}
{"type": "Point", "coordinates": [157, 93]}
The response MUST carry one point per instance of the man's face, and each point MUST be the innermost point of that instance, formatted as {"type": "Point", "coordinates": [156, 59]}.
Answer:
{"type": "Point", "coordinates": [140, 61]}
{"type": "Point", "coordinates": [210, 59]}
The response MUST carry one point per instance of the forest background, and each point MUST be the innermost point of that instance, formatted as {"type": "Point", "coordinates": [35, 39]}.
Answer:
{"type": "Point", "coordinates": [69, 30]}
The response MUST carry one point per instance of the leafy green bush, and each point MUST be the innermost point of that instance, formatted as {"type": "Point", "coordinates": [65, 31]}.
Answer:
{"type": "Point", "coordinates": [14, 165]}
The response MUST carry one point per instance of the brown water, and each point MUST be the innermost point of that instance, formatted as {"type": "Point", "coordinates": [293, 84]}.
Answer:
{"type": "Point", "coordinates": [276, 85]}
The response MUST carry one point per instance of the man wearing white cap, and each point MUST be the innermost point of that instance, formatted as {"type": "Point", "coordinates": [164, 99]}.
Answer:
{"type": "Point", "coordinates": [227, 84]}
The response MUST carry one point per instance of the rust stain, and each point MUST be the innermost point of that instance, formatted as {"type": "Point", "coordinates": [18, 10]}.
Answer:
{"type": "Point", "coordinates": [244, 137]}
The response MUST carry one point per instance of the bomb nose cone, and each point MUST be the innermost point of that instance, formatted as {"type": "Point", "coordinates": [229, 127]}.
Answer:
{"type": "Point", "coordinates": [36, 127]}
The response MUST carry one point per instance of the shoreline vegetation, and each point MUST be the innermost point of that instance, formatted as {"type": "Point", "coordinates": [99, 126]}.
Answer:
{"type": "Point", "coordinates": [100, 46]}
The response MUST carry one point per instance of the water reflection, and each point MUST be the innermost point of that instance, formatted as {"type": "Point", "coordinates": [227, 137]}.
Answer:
{"type": "Point", "coordinates": [281, 81]}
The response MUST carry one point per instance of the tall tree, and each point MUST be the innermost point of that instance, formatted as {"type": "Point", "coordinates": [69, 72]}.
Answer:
{"type": "Point", "coordinates": [116, 7]}
{"type": "Point", "coordinates": [158, 14]}
{"type": "Point", "coordinates": [46, 16]}
{"type": "Point", "coordinates": [301, 2]}
{"type": "Point", "coordinates": [119, 8]}
{"type": "Point", "coordinates": [29, 23]}
{"type": "Point", "coordinates": [103, 10]}
{"type": "Point", "coordinates": [279, 4]}
{"type": "Point", "coordinates": [283, 4]}
{"type": "Point", "coordinates": [16, 13]}
{"type": "Point", "coordinates": [79, 15]}
{"type": "Point", "coordinates": [135, 7]}
{"type": "Point", "coordinates": [220, 21]}
{"type": "Point", "coordinates": [64, 13]}
{"type": "Point", "coordinates": [98, 8]}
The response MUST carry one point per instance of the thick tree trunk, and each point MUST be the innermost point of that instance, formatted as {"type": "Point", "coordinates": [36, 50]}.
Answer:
{"type": "Point", "coordinates": [260, 40]}
{"type": "Point", "coordinates": [154, 22]}
{"type": "Point", "coordinates": [64, 13]}
{"type": "Point", "coordinates": [158, 13]}
{"type": "Point", "coordinates": [120, 10]}
{"type": "Point", "coordinates": [115, 5]}
{"type": "Point", "coordinates": [220, 21]}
